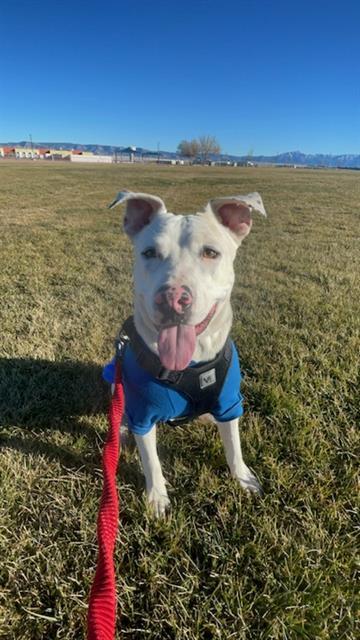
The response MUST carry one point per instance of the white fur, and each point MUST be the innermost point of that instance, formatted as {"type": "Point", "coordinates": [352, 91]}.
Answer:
{"type": "Point", "coordinates": [179, 241]}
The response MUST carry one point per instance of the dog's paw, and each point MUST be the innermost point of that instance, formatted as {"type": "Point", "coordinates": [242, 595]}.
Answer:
{"type": "Point", "coordinates": [249, 481]}
{"type": "Point", "coordinates": [159, 502]}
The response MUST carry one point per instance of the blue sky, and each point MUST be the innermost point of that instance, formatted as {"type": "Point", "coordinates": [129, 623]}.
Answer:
{"type": "Point", "coordinates": [262, 76]}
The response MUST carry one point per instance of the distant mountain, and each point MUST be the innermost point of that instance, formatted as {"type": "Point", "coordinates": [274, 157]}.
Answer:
{"type": "Point", "coordinates": [288, 158]}
{"type": "Point", "coordinates": [346, 161]}
{"type": "Point", "coordinates": [312, 160]}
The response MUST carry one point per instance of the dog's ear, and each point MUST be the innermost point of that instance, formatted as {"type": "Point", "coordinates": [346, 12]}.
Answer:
{"type": "Point", "coordinates": [234, 213]}
{"type": "Point", "coordinates": [141, 208]}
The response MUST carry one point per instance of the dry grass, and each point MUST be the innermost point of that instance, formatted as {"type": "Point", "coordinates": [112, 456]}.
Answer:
{"type": "Point", "coordinates": [223, 566]}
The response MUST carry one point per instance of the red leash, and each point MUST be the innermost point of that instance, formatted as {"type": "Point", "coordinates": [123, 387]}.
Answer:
{"type": "Point", "coordinates": [102, 604]}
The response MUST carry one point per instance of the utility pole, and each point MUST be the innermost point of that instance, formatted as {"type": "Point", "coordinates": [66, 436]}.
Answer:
{"type": "Point", "coordinates": [32, 146]}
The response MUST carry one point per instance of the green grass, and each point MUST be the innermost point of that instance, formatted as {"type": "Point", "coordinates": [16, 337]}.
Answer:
{"type": "Point", "coordinates": [223, 565]}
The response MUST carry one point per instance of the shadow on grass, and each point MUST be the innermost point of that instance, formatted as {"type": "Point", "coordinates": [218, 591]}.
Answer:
{"type": "Point", "coordinates": [44, 394]}
{"type": "Point", "coordinates": [39, 395]}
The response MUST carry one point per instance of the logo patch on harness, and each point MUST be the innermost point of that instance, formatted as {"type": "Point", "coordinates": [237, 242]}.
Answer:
{"type": "Point", "coordinates": [207, 379]}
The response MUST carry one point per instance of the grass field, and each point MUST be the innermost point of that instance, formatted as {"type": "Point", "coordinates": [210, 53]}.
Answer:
{"type": "Point", "coordinates": [223, 565]}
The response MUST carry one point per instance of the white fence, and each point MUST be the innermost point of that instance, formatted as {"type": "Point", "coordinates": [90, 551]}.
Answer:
{"type": "Point", "coordinates": [77, 158]}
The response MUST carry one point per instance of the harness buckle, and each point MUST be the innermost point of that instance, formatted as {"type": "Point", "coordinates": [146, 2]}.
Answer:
{"type": "Point", "coordinates": [172, 377]}
{"type": "Point", "coordinates": [120, 345]}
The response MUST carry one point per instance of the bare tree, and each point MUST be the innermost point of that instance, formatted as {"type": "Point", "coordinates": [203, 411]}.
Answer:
{"type": "Point", "coordinates": [189, 148]}
{"type": "Point", "coordinates": [202, 147]}
{"type": "Point", "coordinates": [208, 146]}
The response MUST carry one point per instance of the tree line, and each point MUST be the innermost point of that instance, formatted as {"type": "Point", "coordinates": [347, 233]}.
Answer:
{"type": "Point", "coordinates": [199, 148]}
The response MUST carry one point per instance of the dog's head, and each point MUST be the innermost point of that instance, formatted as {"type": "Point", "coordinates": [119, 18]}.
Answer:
{"type": "Point", "coordinates": [183, 271]}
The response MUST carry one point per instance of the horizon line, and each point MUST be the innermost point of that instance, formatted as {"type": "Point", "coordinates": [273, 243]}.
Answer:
{"type": "Point", "coordinates": [222, 153]}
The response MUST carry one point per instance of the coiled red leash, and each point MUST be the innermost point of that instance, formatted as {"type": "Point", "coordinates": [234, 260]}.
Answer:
{"type": "Point", "coordinates": [102, 604]}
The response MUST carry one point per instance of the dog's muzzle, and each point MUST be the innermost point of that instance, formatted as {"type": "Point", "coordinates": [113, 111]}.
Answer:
{"type": "Point", "coordinates": [174, 304]}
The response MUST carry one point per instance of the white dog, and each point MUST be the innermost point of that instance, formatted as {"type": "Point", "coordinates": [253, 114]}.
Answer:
{"type": "Point", "coordinates": [179, 360]}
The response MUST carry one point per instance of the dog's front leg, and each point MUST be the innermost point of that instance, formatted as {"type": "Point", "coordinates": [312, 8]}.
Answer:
{"type": "Point", "coordinates": [154, 479]}
{"type": "Point", "coordinates": [229, 432]}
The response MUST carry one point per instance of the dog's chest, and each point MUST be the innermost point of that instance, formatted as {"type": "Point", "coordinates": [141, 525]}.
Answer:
{"type": "Point", "coordinates": [211, 389]}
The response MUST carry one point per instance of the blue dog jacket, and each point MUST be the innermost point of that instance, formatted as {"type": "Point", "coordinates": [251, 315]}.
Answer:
{"type": "Point", "coordinates": [148, 400]}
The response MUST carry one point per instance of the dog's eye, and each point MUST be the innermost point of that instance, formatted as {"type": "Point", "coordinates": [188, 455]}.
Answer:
{"type": "Point", "coordinates": [209, 253]}
{"type": "Point", "coordinates": [149, 253]}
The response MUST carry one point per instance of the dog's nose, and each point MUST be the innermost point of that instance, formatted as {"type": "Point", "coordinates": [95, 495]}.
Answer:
{"type": "Point", "coordinates": [175, 298]}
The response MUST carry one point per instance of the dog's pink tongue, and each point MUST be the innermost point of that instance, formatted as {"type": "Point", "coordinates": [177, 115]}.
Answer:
{"type": "Point", "coordinates": [176, 346]}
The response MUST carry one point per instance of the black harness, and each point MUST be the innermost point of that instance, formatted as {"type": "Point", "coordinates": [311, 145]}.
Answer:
{"type": "Point", "coordinates": [201, 383]}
